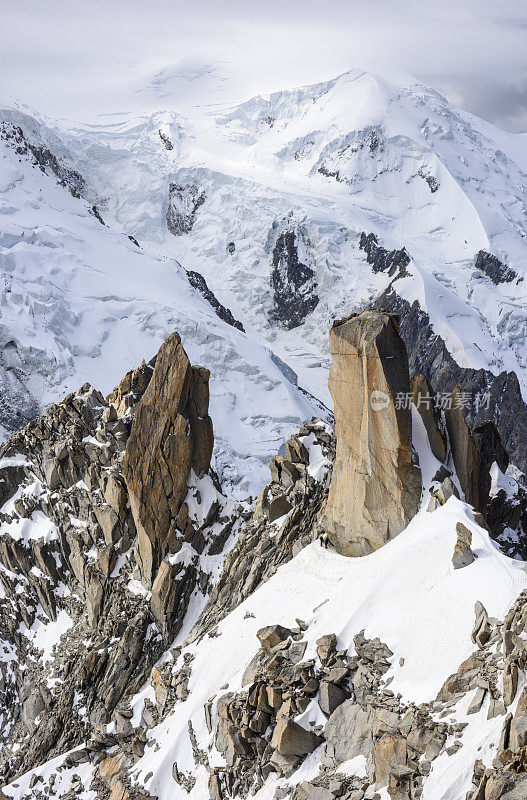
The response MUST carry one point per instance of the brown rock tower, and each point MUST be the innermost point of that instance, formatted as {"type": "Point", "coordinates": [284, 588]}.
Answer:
{"type": "Point", "coordinates": [375, 488]}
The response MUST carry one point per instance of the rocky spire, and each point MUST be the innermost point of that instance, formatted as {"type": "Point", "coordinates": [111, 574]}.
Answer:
{"type": "Point", "coordinates": [473, 453]}
{"type": "Point", "coordinates": [171, 434]}
{"type": "Point", "coordinates": [375, 487]}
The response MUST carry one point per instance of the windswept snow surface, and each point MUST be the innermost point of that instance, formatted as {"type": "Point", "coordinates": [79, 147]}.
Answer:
{"type": "Point", "coordinates": [80, 302]}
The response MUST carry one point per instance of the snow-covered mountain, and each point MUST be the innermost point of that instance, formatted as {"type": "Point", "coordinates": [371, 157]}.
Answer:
{"type": "Point", "coordinates": [81, 302]}
{"type": "Point", "coordinates": [162, 637]}
{"type": "Point", "coordinates": [242, 194]}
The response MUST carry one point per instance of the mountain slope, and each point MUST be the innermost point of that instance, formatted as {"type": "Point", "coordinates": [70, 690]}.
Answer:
{"type": "Point", "coordinates": [82, 302]}
{"type": "Point", "coordinates": [327, 162]}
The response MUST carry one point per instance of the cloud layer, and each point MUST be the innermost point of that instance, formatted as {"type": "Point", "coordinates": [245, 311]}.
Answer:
{"type": "Point", "coordinates": [79, 60]}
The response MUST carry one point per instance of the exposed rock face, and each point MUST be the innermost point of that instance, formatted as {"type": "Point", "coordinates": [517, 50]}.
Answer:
{"type": "Point", "coordinates": [166, 141]}
{"type": "Point", "coordinates": [183, 203]}
{"type": "Point", "coordinates": [375, 487]}
{"type": "Point", "coordinates": [45, 159]}
{"type": "Point", "coordinates": [292, 280]}
{"type": "Point", "coordinates": [17, 363]}
{"type": "Point", "coordinates": [473, 454]}
{"type": "Point", "coordinates": [62, 483]}
{"type": "Point", "coordinates": [171, 434]}
{"type": "Point", "coordinates": [260, 549]}
{"type": "Point", "coordinates": [428, 354]}
{"type": "Point", "coordinates": [424, 401]}
{"type": "Point", "coordinates": [431, 180]}
{"type": "Point", "coordinates": [131, 388]}
{"type": "Point", "coordinates": [495, 269]}
{"type": "Point", "coordinates": [506, 518]}
{"type": "Point", "coordinates": [441, 493]}
{"type": "Point", "coordinates": [198, 282]}
{"type": "Point", "coordinates": [393, 262]}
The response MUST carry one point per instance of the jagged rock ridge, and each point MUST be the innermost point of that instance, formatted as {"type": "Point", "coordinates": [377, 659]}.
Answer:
{"type": "Point", "coordinates": [198, 282]}
{"type": "Point", "coordinates": [428, 354]}
{"type": "Point", "coordinates": [494, 268]}
{"type": "Point", "coordinates": [171, 434]}
{"type": "Point", "coordinates": [393, 262]}
{"type": "Point", "coordinates": [69, 549]}
{"type": "Point", "coordinates": [126, 477]}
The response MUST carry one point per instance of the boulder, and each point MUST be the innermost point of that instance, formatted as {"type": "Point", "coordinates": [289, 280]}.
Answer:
{"type": "Point", "coordinates": [291, 739]}
{"type": "Point", "coordinates": [326, 645]}
{"type": "Point", "coordinates": [331, 697]}
{"type": "Point", "coordinates": [477, 700]}
{"type": "Point", "coordinates": [463, 555]}
{"type": "Point", "coordinates": [440, 495]}
{"type": "Point", "coordinates": [349, 732]}
{"type": "Point", "coordinates": [308, 791]}
{"type": "Point", "coordinates": [505, 786]}
{"type": "Point", "coordinates": [389, 752]}
{"type": "Point", "coordinates": [278, 506]}
{"type": "Point", "coordinates": [375, 487]}
{"type": "Point", "coordinates": [510, 682]}
{"type": "Point", "coordinates": [400, 782]}
{"type": "Point", "coordinates": [518, 728]}
{"type": "Point", "coordinates": [482, 630]}
{"type": "Point", "coordinates": [272, 635]}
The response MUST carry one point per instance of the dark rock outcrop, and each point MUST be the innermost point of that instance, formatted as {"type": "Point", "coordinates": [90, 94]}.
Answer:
{"type": "Point", "coordinates": [492, 397]}
{"type": "Point", "coordinates": [473, 453]}
{"type": "Point", "coordinates": [166, 141]}
{"type": "Point", "coordinates": [293, 282]}
{"type": "Point", "coordinates": [496, 270]}
{"type": "Point", "coordinates": [183, 204]}
{"type": "Point", "coordinates": [425, 402]}
{"type": "Point", "coordinates": [44, 159]}
{"type": "Point", "coordinates": [431, 180]}
{"type": "Point", "coordinates": [393, 262]}
{"type": "Point", "coordinates": [197, 281]}
{"type": "Point", "coordinates": [463, 555]}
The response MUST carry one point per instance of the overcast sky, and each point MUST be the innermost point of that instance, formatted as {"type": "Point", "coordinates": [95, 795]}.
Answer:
{"type": "Point", "coordinates": [80, 59]}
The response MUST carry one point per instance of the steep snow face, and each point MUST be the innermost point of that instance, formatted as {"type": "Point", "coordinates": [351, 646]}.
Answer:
{"type": "Point", "coordinates": [330, 160]}
{"type": "Point", "coordinates": [80, 302]}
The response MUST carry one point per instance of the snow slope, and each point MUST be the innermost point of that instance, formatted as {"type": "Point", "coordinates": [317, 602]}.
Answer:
{"type": "Point", "coordinates": [427, 622]}
{"type": "Point", "coordinates": [80, 302]}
